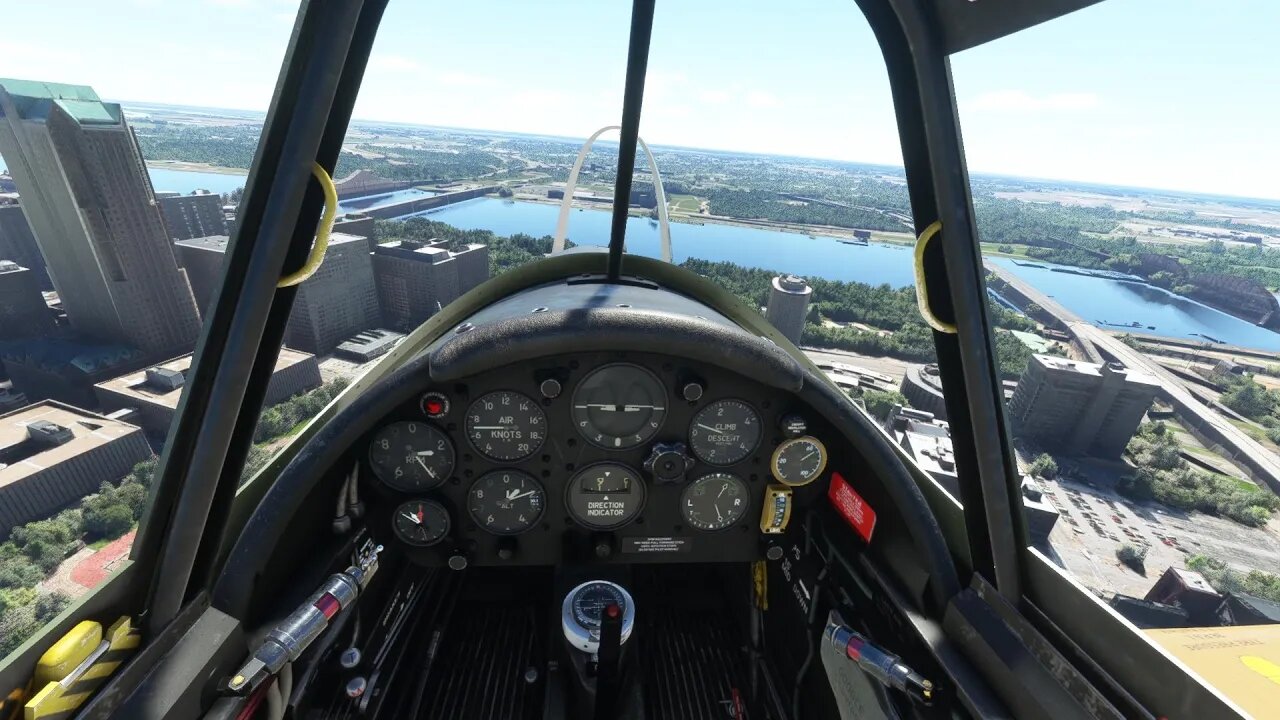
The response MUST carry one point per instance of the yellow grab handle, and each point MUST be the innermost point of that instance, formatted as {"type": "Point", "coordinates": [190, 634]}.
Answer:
{"type": "Point", "coordinates": [322, 235]}
{"type": "Point", "coordinates": [922, 290]}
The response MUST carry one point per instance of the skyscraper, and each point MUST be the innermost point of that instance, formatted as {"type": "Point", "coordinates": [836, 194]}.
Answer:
{"type": "Point", "coordinates": [193, 216]}
{"type": "Point", "coordinates": [19, 245]}
{"type": "Point", "coordinates": [473, 266]}
{"type": "Point", "coordinates": [87, 195]}
{"type": "Point", "coordinates": [338, 301]}
{"type": "Point", "coordinates": [202, 258]}
{"type": "Point", "coordinates": [789, 305]}
{"type": "Point", "coordinates": [23, 312]}
{"type": "Point", "coordinates": [1080, 407]}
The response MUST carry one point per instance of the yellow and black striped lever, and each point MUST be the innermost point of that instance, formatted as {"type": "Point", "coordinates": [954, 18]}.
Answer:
{"type": "Point", "coordinates": [76, 666]}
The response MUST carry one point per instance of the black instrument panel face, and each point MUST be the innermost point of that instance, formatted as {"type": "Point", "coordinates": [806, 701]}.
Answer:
{"type": "Point", "coordinates": [536, 480]}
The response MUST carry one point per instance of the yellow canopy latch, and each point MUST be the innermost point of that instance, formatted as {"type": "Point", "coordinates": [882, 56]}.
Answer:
{"type": "Point", "coordinates": [922, 290]}
{"type": "Point", "coordinates": [322, 234]}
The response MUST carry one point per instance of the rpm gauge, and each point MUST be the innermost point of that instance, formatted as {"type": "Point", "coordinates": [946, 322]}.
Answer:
{"type": "Point", "coordinates": [421, 522]}
{"type": "Point", "coordinates": [506, 502]}
{"type": "Point", "coordinates": [724, 432]}
{"type": "Point", "coordinates": [411, 456]}
{"type": "Point", "coordinates": [714, 502]}
{"type": "Point", "coordinates": [619, 406]}
{"type": "Point", "coordinates": [506, 426]}
{"type": "Point", "coordinates": [605, 496]}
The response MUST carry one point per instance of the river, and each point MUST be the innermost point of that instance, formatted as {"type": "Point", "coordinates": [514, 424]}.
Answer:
{"type": "Point", "coordinates": [1097, 300]}
{"type": "Point", "coordinates": [185, 181]}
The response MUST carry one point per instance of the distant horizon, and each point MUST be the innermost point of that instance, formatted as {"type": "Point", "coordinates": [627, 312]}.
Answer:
{"type": "Point", "coordinates": [673, 146]}
{"type": "Point", "coordinates": [1088, 184]}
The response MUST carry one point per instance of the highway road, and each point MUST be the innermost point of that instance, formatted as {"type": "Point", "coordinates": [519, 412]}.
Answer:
{"type": "Point", "coordinates": [1264, 463]}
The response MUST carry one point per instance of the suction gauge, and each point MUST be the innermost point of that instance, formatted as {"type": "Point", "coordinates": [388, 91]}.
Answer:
{"type": "Point", "coordinates": [799, 461]}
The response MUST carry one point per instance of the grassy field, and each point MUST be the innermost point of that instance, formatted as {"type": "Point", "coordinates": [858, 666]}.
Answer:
{"type": "Point", "coordinates": [1019, 251]}
{"type": "Point", "coordinates": [686, 203]}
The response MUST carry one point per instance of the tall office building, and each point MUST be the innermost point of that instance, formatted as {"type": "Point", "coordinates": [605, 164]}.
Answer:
{"type": "Point", "coordinates": [23, 312]}
{"type": "Point", "coordinates": [789, 305]}
{"type": "Point", "coordinates": [473, 266]}
{"type": "Point", "coordinates": [415, 279]}
{"type": "Point", "coordinates": [193, 216]}
{"type": "Point", "coordinates": [19, 245]}
{"type": "Point", "coordinates": [87, 195]}
{"type": "Point", "coordinates": [1080, 407]}
{"type": "Point", "coordinates": [202, 258]}
{"type": "Point", "coordinates": [337, 302]}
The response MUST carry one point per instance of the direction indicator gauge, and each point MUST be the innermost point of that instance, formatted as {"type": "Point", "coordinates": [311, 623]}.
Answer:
{"type": "Point", "coordinates": [605, 496]}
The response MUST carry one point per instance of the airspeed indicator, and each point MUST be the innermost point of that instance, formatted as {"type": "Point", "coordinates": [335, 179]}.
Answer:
{"type": "Point", "coordinates": [505, 426]}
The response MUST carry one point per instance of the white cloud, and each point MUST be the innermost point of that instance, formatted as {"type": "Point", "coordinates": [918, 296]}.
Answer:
{"type": "Point", "coordinates": [457, 78]}
{"type": "Point", "coordinates": [1019, 101]}
{"type": "Point", "coordinates": [715, 97]}
{"type": "Point", "coordinates": [392, 63]}
{"type": "Point", "coordinates": [762, 99]}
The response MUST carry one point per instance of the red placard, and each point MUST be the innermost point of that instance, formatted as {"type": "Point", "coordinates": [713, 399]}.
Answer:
{"type": "Point", "coordinates": [850, 504]}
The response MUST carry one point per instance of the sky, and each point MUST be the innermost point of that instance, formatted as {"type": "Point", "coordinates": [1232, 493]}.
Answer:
{"type": "Point", "coordinates": [1177, 94]}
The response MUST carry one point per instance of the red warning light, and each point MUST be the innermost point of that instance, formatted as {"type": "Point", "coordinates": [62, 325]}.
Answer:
{"type": "Point", "coordinates": [435, 405]}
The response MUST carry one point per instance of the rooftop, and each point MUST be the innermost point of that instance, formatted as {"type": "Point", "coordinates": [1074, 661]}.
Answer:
{"type": "Point", "coordinates": [792, 284]}
{"type": "Point", "coordinates": [213, 243]}
{"type": "Point", "coordinates": [142, 386]}
{"type": "Point", "coordinates": [414, 250]}
{"type": "Point", "coordinates": [88, 431]}
{"type": "Point", "coordinates": [34, 99]}
{"type": "Point", "coordinates": [1061, 364]}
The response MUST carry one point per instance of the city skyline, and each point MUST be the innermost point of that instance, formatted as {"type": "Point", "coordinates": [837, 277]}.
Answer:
{"type": "Point", "coordinates": [1119, 109]}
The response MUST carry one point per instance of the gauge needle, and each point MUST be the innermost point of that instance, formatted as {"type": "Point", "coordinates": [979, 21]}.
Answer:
{"type": "Point", "coordinates": [719, 517]}
{"type": "Point", "coordinates": [416, 520]}
{"type": "Point", "coordinates": [424, 466]}
{"type": "Point", "coordinates": [599, 406]}
{"type": "Point", "coordinates": [526, 493]}
{"type": "Point", "coordinates": [490, 427]}
{"type": "Point", "coordinates": [425, 453]}
{"type": "Point", "coordinates": [708, 427]}
{"type": "Point", "coordinates": [638, 408]}
{"type": "Point", "coordinates": [722, 489]}
{"type": "Point", "coordinates": [806, 457]}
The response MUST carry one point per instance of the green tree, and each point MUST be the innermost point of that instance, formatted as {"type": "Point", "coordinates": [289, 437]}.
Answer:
{"type": "Point", "coordinates": [1248, 398]}
{"type": "Point", "coordinates": [109, 521]}
{"type": "Point", "coordinates": [1133, 557]}
{"type": "Point", "coordinates": [1043, 466]}
{"type": "Point", "coordinates": [879, 403]}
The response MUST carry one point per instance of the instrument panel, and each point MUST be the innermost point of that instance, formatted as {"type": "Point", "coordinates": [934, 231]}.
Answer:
{"type": "Point", "coordinates": [599, 457]}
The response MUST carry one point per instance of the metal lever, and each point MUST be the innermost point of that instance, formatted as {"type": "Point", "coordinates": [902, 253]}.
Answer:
{"type": "Point", "coordinates": [295, 634]}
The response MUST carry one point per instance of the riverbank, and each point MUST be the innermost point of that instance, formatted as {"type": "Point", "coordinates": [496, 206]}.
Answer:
{"type": "Point", "coordinates": [829, 231]}
{"type": "Point", "coordinates": [182, 166]}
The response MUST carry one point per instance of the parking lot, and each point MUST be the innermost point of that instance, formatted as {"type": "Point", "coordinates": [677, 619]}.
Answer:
{"type": "Point", "coordinates": [1095, 521]}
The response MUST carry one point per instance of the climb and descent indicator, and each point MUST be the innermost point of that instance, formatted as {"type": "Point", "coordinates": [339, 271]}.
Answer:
{"type": "Point", "coordinates": [860, 516]}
